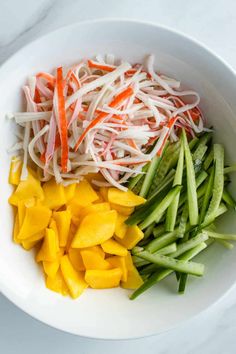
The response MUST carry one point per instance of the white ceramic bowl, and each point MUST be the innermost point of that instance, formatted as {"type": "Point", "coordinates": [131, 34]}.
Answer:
{"type": "Point", "coordinates": [109, 313]}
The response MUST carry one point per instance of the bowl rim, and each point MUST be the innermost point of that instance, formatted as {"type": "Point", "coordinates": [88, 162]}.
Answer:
{"type": "Point", "coordinates": [106, 20]}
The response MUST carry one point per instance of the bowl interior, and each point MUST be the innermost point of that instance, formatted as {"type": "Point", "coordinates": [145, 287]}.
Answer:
{"type": "Point", "coordinates": [110, 313]}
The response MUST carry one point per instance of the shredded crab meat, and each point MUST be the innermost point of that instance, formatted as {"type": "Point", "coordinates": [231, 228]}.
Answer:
{"type": "Point", "coordinates": [114, 117]}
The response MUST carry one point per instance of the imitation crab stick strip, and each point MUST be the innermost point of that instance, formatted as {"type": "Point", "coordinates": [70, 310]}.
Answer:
{"type": "Point", "coordinates": [120, 98]}
{"type": "Point", "coordinates": [62, 120]}
{"type": "Point", "coordinates": [47, 77]}
{"type": "Point", "coordinates": [95, 65]}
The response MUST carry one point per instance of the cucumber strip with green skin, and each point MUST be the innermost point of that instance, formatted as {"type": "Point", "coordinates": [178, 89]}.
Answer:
{"type": "Point", "coordinates": [207, 196]}
{"type": "Point", "coordinates": [136, 249]}
{"type": "Point", "coordinates": [160, 208]}
{"type": "Point", "coordinates": [191, 183]}
{"type": "Point", "coordinates": [230, 169]}
{"type": "Point", "coordinates": [201, 178]}
{"type": "Point", "coordinates": [159, 230]}
{"type": "Point", "coordinates": [171, 214]}
{"type": "Point", "coordinates": [181, 249]}
{"type": "Point", "coordinates": [139, 262]}
{"type": "Point", "coordinates": [205, 138]}
{"type": "Point", "coordinates": [161, 241]}
{"type": "Point", "coordinates": [148, 231]}
{"type": "Point", "coordinates": [167, 181]}
{"type": "Point", "coordinates": [192, 144]}
{"type": "Point", "coordinates": [230, 237]}
{"type": "Point", "coordinates": [193, 242]}
{"type": "Point", "coordinates": [165, 251]}
{"type": "Point", "coordinates": [174, 264]}
{"type": "Point", "coordinates": [199, 153]}
{"type": "Point", "coordinates": [228, 199]}
{"type": "Point", "coordinates": [164, 166]}
{"type": "Point", "coordinates": [163, 273]}
{"type": "Point", "coordinates": [218, 185]}
{"type": "Point", "coordinates": [172, 247]}
{"type": "Point", "coordinates": [173, 208]}
{"type": "Point", "coordinates": [208, 160]}
{"type": "Point", "coordinates": [183, 221]}
{"type": "Point", "coordinates": [134, 181]}
{"type": "Point", "coordinates": [149, 269]}
{"type": "Point", "coordinates": [182, 283]}
{"type": "Point", "coordinates": [225, 243]}
{"type": "Point", "coordinates": [198, 166]}
{"type": "Point", "coordinates": [148, 178]}
{"type": "Point", "coordinates": [200, 188]}
{"type": "Point", "coordinates": [221, 210]}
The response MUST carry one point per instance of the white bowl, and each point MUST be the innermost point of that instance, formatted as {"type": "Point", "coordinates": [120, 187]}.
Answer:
{"type": "Point", "coordinates": [109, 313]}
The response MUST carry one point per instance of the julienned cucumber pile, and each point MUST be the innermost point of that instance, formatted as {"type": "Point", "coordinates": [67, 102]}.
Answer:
{"type": "Point", "coordinates": [186, 191]}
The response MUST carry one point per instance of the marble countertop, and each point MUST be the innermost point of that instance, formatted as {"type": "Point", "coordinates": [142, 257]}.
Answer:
{"type": "Point", "coordinates": [214, 24]}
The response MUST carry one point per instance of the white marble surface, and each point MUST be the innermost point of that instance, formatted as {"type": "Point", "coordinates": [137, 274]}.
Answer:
{"type": "Point", "coordinates": [213, 22]}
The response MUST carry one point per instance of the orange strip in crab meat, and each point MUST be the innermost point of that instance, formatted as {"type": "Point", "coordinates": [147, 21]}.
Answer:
{"type": "Point", "coordinates": [47, 77]}
{"type": "Point", "coordinates": [62, 119]}
{"type": "Point", "coordinates": [109, 68]}
{"type": "Point", "coordinates": [121, 97]}
{"type": "Point", "coordinates": [93, 64]}
{"type": "Point", "coordinates": [170, 124]}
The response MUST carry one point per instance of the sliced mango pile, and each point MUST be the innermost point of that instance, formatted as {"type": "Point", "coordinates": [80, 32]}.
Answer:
{"type": "Point", "coordinates": [79, 234]}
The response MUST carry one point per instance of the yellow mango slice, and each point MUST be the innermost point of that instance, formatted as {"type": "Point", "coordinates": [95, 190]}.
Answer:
{"type": "Point", "coordinates": [127, 199]}
{"type": "Point", "coordinates": [119, 262]}
{"type": "Point", "coordinates": [36, 219]}
{"type": "Point", "coordinates": [30, 242]}
{"type": "Point", "coordinates": [104, 193]}
{"type": "Point", "coordinates": [93, 260]}
{"type": "Point", "coordinates": [133, 281]}
{"type": "Point", "coordinates": [63, 220]}
{"type": "Point", "coordinates": [15, 170]}
{"type": "Point", "coordinates": [121, 227]}
{"type": "Point", "coordinates": [129, 261]}
{"type": "Point", "coordinates": [112, 247]}
{"type": "Point", "coordinates": [51, 268]}
{"type": "Point", "coordinates": [16, 229]}
{"type": "Point", "coordinates": [122, 209]}
{"type": "Point", "coordinates": [97, 249]}
{"type": "Point", "coordinates": [84, 194]}
{"type": "Point", "coordinates": [72, 231]}
{"type": "Point", "coordinates": [132, 237]}
{"type": "Point", "coordinates": [76, 259]}
{"type": "Point", "coordinates": [53, 225]}
{"type": "Point", "coordinates": [73, 279]}
{"type": "Point", "coordinates": [28, 189]}
{"type": "Point", "coordinates": [95, 208]}
{"type": "Point", "coordinates": [21, 212]}
{"type": "Point", "coordinates": [49, 249]}
{"type": "Point", "coordinates": [95, 229]}
{"type": "Point", "coordinates": [69, 192]}
{"type": "Point", "coordinates": [54, 194]}
{"type": "Point", "coordinates": [102, 279]}
{"type": "Point", "coordinates": [57, 284]}
{"type": "Point", "coordinates": [74, 208]}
